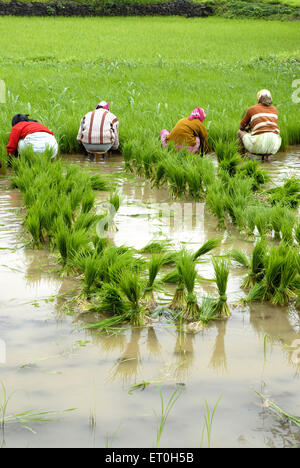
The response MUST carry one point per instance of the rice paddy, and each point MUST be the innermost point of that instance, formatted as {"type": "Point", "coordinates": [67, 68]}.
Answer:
{"type": "Point", "coordinates": [71, 215]}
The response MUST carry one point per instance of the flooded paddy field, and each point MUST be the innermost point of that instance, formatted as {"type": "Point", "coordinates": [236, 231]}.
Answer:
{"type": "Point", "coordinates": [114, 383]}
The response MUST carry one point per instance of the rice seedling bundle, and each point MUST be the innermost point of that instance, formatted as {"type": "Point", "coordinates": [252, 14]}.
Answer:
{"type": "Point", "coordinates": [286, 195]}
{"type": "Point", "coordinates": [251, 169]}
{"type": "Point", "coordinates": [154, 266]}
{"type": "Point", "coordinates": [257, 265]}
{"type": "Point", "coordinates": [188, 274]}
{"type": "Point", "coordinates": [221, 267]}
{"type": "Point", "coordinates": [240, 257]}
{"type": "Point", "coordinates": [230, 165]}
{"type": "Point", "coordinates": [132, 287]}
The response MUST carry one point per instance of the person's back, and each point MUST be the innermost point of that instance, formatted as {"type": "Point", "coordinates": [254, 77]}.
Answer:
{"type": "Point", "coordinates": [188, 132]}
{"type": "Point", "coordinates": [98, 130]}
{"type": "Point", "coordinates": [262, 119]}
{"type": "Point", "coordinates": [27, 132]}
{"type": "Point", "coordinates": [185, 131]}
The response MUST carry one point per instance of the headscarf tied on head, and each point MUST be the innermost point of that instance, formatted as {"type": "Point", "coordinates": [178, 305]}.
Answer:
{"type": "Point", "coordinates": [198, 113]}
{"type": "Point", "coordinates": [103, 105]}
{"type": "Point", "coordinates": [21, 118]}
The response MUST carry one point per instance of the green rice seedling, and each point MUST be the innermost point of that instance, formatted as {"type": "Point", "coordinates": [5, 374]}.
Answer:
{"type": "Point", "coordinates": [221, 267]}
{"type": "Point", "coordinates": [33, 225]}
{"type": "Point", "coordinates": [155, 247]}
{"type": "Point", "coordinates": [262, 221]}
{"type": "Point", "coordinates": [250, 218]}
{"type": "Point", "coordinates": [225, 150]}
{"type": "Point", "coordinates": [175, 175]}
{"type": "Point", "coordinates": [207, 247]}
{"type": "Point", "coordinates": [110, 301]}
{"type": "Point", "coordinates": [257, 265]}
{"type": "Point", "coordinates": [207, 309]}
{"type": "Point", "coordinates": [3, 161]}
{"type": "Point", "coordinates": [215, 200]}
{"type": "Point", "coordinates": [169, 258]}
{"type": "Point", "coordinates": [160, 174]}
{"type": "Point", "coordinates": [115, 200]}
{"type": "Point", "coordinates": [208, 418]}
{"type": "Point", "coordinates": [286, 195]}
{"type": "Point", "coordinates": [230, 165]}
{"type": "Point", "coordinates": [25, 417]}
{"type": "Point", "coordinates": [287, 232]}
{"type": "Point", "coordinates": [99, 244]}
{"type": "Point", "coordinates": [194, 179]}
{"type": "Point", "coordinates": [237, 198]}
{"type": "Point", "coordinates": [256, 293]}
{"type": "Point", "coordinates": [165, 411]}
{"type": "Point", "coordinates": [251, 169]}
{"type": "Point", "coordinates": [277, 215]}
{"type": "Point", "coordinates": [240, 257]}
{"type": "Point", "coordinates": [172, 277]}
{"type": "Point", "coordinates": [187, 272]}
{"type": "Point", "coordinates": [69, 243]}
{"type": "Point", "coordinates": [75, 197]}
{"type": "Point", "coordinates": [86, 221]}
{"type": "Point", "coordinates": [66, 213]}
{"type": "Point", "coordinates": [99, 183]}
{"type": "Point", "coordinates": [208, 172]}
{"type": "Point", "coordinates": [297, 233]}
{"type": "Point", "coordinates": [154, 266]}
{"type": "Point", "coordinates": [123, 262]}
{"type": "Point", "coordinates": [87, 202]}
{"type": "Point", "coordinates": [132, 287]}
{"type": "Point", "coordinates": [91, 269]}
{"type": "Point", "coordinates": [281, 276]}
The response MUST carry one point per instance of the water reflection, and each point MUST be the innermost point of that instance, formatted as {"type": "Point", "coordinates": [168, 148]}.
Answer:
{"type": "Point", "coordinates": [127, 367]}
{"type": "Point", "coordinates": [218, 360]}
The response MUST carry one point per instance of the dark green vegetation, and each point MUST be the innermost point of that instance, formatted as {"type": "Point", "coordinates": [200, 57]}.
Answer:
{"type": "Point", "coordinates": [266, 9]}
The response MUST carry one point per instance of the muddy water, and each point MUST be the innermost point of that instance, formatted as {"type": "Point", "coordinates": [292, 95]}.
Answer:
{"type": "Point", "coordinates": [52, 365]}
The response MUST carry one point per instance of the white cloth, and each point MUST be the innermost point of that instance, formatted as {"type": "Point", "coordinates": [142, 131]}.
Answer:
{"type": "Point", "coordinates": [265, 143]}
{"type": "Point", "coordinates": [39, 142]}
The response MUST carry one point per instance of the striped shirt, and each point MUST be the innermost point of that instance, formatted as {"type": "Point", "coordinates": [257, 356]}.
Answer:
{"type": "Point", "coordinates": [261, 119]}
{"type": "Point", "coordinates": [99, 127]}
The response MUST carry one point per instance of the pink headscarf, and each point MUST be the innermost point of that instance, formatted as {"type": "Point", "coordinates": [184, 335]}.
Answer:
{"type": "Point", "coordinates": [103, 104]}
{"type": "Point", "coordinates": [198, 113]}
